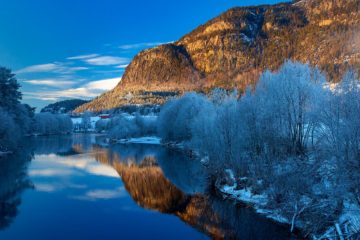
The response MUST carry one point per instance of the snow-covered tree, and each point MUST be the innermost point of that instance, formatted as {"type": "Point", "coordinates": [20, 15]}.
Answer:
{"type": "Point", "coordinates": [177, 115]}
{"type": "Point", "coordinates": [288, 103]}
{"type": "Point", "coordinates": [10, 95]}
{"type": "Point", "coordinates": [9, 132]}
{"type": "Point", "coordinates": [16, 118]}
{"type": "Point", "coordinates": [340, 132]}
{"type": "Point", "coordinates": [48, 123]}
{"type": "Point", "coordinates": [123, 128]}
{"type": "Point", "coordinates": [86, 121]}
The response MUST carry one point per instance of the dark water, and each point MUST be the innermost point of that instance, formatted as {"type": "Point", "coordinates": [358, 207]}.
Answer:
{"type": "Point", "coordinates": [70, 187]}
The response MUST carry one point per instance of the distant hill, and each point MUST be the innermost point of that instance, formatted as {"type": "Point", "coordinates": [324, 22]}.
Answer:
{"type": "Point", "coordinates": [232, 50]}
{"type": "Point", "coordinates": [64, 106]}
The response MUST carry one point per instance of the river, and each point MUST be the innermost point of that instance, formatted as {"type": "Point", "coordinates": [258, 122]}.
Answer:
{"type": "Point", "coordinates": [75, 187]}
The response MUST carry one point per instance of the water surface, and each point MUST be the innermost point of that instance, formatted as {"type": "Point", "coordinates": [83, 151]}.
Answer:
{"type": "Point", "coordinates": [73, 187]}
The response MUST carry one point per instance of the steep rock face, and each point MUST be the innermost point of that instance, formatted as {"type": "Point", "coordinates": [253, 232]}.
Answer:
{"type": "Point", "coordinates": [164, 67]}
{"type": "Point", "coordinates": [234, 48]}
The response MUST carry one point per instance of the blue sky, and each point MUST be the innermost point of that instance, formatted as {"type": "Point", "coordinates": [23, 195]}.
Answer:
{"type": "Point", "coordinates": [64, 49]}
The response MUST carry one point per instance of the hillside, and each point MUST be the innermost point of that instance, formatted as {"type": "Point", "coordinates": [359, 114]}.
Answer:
{"type": "Point", "coordinates": [64, 106]}
{"type": "Point", "coordinates": [232, 49]}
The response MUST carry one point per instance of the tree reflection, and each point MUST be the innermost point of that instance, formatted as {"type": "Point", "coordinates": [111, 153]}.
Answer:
{"type": "Point", "coordinates": [145, 181]}
{"type": "Point", "coordinates": [13, 181]}
{"type": "Point", "coordinates": [60, 144]}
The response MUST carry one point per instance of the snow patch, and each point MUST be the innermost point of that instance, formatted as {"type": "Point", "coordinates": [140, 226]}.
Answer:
{"type": "Point", "coordinates": [141, 140]}
{"type": "Point", "coordinates": [243, 195]}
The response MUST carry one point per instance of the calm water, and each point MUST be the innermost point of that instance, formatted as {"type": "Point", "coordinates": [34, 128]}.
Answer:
{"type": "Point", "coordinates": [70, 187]}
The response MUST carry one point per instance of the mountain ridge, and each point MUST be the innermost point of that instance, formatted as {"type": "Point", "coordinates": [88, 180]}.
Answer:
{"type": "Point", "coordinates": [232, 50]}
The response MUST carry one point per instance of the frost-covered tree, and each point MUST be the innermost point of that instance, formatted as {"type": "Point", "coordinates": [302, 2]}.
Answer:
{"type": "Point", "coordinates": [216, 132]}
{"type": "Point", "coordinates": [288, 103]}
{"type": "Point", "coordinates": [48, 123]}
{"type": "Point", "coordinates": [9, 132]}
{"type": "Point", "coordinates": [340, 132]}
{"type": "Point", "coordinates": [10, 95]}
{"type": "Point", "coordinates": [65, 123]}
{"type": "Point", "coordinates": [123, 128]}
{"type": "Point", "coordinates": [16, 118]}
{"type": "Point", "coordinates": [86, 121]}
{"type": "Point", "coordinates": [102, 125]}
{"type": "Point", "coordinates": [177, 115]}
{"type": "Point", "coordinates": [146, 124]}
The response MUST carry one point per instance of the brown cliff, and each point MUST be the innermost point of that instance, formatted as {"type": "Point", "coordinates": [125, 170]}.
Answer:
{"type": "Point", "coordinates": [232, 49]}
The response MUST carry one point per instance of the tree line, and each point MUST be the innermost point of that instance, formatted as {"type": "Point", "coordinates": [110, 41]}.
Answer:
{"type": "Point", "coordinates": [18, 120]}
{"type": "Point", "coordinates": [127, 126]}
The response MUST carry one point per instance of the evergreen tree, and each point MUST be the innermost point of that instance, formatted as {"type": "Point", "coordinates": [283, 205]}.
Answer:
{"type": "Point", "coordinates": [10, 95]}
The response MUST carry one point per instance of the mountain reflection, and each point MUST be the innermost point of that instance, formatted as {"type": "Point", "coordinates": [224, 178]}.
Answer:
{"type": "Point", "coordinates": [155, 177]}
{"type": "Point", "coordinates": [13, 181]}
{"type": "Point", "coordinates": [145, 181]}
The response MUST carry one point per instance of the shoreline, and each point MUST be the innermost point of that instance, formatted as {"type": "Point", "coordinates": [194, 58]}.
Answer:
{"type": "Point", "coordinates": [349, 219]}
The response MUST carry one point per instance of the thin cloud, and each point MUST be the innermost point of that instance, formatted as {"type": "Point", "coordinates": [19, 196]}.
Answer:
{"type": "Point", "coordinates": [81, 57]}
{"type": "Point", "coordinates": [106, 60]}
{"type": "Point", "coordinates": [101, 194]}
{"type": "Point", "coordinates": [74, 69]}
{"type": "Point", "coordinates": [50, 82]}
{"type": "Point", "coordinates": [86, 91]}
{"type": "Point", "coordinates": [49, 172]}
{"type": "Point", "coordinates": [122, 66]}
{"type": "Point", "coordinates": [48, 67]}
{"type": "Point", "coordinates": [140, 45]}
{"type": "Point", "coordinates": [105, 84]}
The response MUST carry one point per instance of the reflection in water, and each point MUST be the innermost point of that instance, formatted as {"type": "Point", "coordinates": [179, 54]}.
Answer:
{"type": "Point", "coordinates": [145, 181]}
{"type": "Point", "coordinates": [50, 144]}
{"type": "Point", "coordinates": [13, 180]}
{"type": "Point", "coordinates": [156, 178]}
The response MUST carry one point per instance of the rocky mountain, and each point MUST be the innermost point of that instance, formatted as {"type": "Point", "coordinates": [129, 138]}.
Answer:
{"type": "Point", "coordinates": [232, 50]}
{"type": "Point", "coordinates": [64, 106]}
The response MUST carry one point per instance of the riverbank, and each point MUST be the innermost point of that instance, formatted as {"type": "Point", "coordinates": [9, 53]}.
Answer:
{"type": "Point", "coordinates": [139, 140]}
{"type": "Point", "coordinates": [346, 226]}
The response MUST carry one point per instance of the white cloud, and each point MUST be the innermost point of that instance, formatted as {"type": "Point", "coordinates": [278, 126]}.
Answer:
{"type": "Point", "coordinates": [105, 84]}
{"type": "Point", "coordinates": [78, 68]}
{"type": "Point", "coordinates": [86, 91]}
{"type": "Point", "coordinates": [107, 60]}
{"type": "Point", "coordinates": [105, 194]}
{"type": "Point", "coordinates": [44, 187]}
{"type": "Point", "coordinates": [122, 66]}
{"type": "Point", "coordinates": [102, 194]}
{"type": "Point", "coordinates": [49, 172]}
{"type": "Point", "coordinates": [50, 82]}
{"type": "Point", "coordinates": [140, 45]}
{"type": "Point", "coordinates": [48, 67]}
{"type": "Point", "coordinates": [80, 57]}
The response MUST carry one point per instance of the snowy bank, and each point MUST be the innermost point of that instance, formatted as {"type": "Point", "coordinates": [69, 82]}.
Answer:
{"type": "Point", "coordinates": [346, 227]}
{"type": "Point", "coordinates": [140, 140]}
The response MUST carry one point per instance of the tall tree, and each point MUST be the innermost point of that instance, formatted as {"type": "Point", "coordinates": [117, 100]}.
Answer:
{"type": "Point", "coordinates": [10, 95]}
